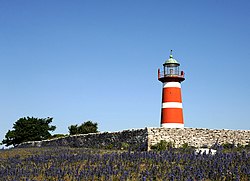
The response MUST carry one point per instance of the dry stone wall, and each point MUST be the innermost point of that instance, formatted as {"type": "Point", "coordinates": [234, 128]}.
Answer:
{"type": "Point", "coordinates": [143, 139]}
{"type": "Point", "coordinates": [134, 139]}
{"type": "Point", "coordinates": [197, 137]}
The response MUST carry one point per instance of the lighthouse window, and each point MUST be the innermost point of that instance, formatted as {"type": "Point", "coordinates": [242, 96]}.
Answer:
{"type": "Point", "coordinates": [173, 71]}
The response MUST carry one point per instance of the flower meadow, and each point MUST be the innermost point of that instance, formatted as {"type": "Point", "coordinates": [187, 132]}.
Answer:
{"type": "Point", "coordinates": [77, 164]}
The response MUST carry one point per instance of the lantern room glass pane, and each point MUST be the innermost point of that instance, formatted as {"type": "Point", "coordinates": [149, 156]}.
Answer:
{"type": "Point", "coordinates": [171, 70]}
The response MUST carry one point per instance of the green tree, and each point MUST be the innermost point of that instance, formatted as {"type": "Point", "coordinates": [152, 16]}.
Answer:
{"type": "Point", "coordinates": [73, 129]}
{"type": "Point", "coordinates": [28, 129]}
{"type": "Point", "coordinates": [86, 127]}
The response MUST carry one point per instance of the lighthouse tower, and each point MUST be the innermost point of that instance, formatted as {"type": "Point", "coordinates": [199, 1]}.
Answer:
{"type": "Point", "coordinates": [171, 77]}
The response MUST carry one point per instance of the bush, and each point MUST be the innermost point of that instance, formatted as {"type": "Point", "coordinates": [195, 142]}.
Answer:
{"type": "Point", "coordinates": [247, 146]}
{"type": "Point", "coordinates": [109, 147]}
{"type": "Point", "coordinates": [163, 145]}
{"type": "Point", "coordinates": [185, 145]}
{"type": "Point", "coordinates": [228, 145]}
{"type": "Point", "coordinates": [85, 128]}
{"type": "Point", "coordinates": [124, 146]}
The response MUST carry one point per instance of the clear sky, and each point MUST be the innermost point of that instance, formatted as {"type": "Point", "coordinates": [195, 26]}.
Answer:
{"type": "Point", "coordinates": [97, 60]}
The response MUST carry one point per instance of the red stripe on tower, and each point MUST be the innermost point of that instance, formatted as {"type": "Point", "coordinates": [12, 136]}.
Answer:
{"type": "Point", "coordinates": [171, 111]}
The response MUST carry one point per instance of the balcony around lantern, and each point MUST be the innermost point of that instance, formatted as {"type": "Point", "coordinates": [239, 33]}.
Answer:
{"type": "Point", "coordinates": [170, 76]}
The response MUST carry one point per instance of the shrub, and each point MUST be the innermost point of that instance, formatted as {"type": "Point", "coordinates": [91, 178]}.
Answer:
{"type": "Point", "coordinates": [247, 146]}
{"type": "Point", "coordinates": [185, 145]}
{"type": "Point", "coordinates": [124, 146]}
{"type": "Point", "coordinates": [228, 145]}
{"type": "Point", "coordinates": [163, 145]}
{"type": "Point", "coordinates": [85, 128]}
{"type": "Point", "coordinates": [109, 147]}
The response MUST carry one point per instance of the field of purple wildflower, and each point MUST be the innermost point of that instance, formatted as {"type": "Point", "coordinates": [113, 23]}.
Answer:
{"type": "Point", "coordinates": [77, 164]}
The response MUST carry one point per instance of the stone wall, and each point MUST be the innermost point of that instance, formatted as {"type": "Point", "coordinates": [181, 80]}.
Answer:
{"type": "Point", "coordinates": [134, 139]}
{"type": "Point", "coordinates": [197, 137]}
{"type": "Point", "coordinates": [143, 139]}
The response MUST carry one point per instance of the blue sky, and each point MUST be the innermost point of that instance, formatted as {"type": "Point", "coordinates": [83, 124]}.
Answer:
{"type": "Point", "coordinates": [97, 60]}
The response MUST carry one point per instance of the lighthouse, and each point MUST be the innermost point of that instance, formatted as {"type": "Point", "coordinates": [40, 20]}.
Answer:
{"type": "Point", "coordinates": [171, 110]}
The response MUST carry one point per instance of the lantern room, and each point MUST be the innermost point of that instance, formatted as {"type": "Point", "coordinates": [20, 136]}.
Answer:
{"type": "Point", "coordinates": [171, 67]}
{"type": "Point", "coordinates": [171, 72]}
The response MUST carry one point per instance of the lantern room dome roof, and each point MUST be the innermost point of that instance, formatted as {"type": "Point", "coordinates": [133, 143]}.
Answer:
{"type": "Point", "coordinates": [171, 60]}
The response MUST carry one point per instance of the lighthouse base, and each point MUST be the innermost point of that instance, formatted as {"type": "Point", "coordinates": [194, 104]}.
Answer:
{"type": "Point", "coordinates": [172, 125]}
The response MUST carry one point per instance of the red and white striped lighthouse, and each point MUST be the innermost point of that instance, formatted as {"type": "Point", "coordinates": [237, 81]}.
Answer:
{"type": "Point", "coordinates": [171, 77]}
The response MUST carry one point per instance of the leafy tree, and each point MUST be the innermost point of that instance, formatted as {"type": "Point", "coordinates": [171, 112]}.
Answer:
{"type": "Point", "coordinates": [28, 129]}
{"type": "Point", "coordinates": [86, 127]}
{"type": "Point", "coordinates": [73, 129]}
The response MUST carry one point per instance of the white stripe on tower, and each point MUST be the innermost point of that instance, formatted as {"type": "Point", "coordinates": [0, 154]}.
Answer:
{"type": "Point", "coordinates": [172, 105]}
{"type": "Point", "coordinates": [172, 125]}
{"type": "Point", "coordinates": [171, 84]}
